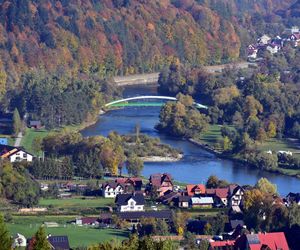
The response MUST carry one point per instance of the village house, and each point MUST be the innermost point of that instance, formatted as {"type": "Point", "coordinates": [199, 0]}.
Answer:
{"type": "Point", "coordinates": [130, 202]}
{"type": "Point", "coordinates": [295, 38]}
{"type": "Point", "coordinates": [252, 51]}
{"type": "Point", "coordinates": [273, 48]}
{"type": "Point", "coordinates": [35, 124]}
{"type": "Point", "coordinates": [183, 201]}
{"type": "Point", "coordinates": [161, 183]}
{"type": "Point", "coordinates": [112, 189]}
{"type": "Point", "coordinates": [220, 196]}
{"type": "Point", "coordinates": [19, 241]}
{"type": "Point", "coordinates": [93, 221]}
{"type": "Point", "coordinates": [236, 194]}
{"type": "Point", "coordinates": [195, 190]}
{"type": "Point", "coordinates": [291, 198]}
{"type": "Point", "coordinates": [206, 202]}
{"type": "Point", "coordinates": [14, 154]}
{"type": "Point", "coordinates": [56, 242]}
{"type": "Point", "coordinates": [264, 40]}
{"type": "Point", "coordinates": [134, 182]}
{"type": "Point", "coordinates": [134, 217]}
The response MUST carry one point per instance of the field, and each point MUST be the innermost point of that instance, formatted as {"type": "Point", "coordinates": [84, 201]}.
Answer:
{"type": "Point", "coordinates": [77, 202]}
{"type": "Point", "coordinates": [212, 136]}
{"type": "Point", "coordinates": [30, 135]}
{"type": "Point", "coordinates": [78, 236]}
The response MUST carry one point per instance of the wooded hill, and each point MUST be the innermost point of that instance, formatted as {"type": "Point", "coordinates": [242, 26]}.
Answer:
{"type": "Point", "coordinates": [122, 36]}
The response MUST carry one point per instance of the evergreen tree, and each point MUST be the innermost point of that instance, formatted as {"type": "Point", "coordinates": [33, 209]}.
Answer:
{"type": "Point", "coordinates": [41, 242]}
{"type": "Point", "coordinates": [17, 123]}
{"type": "Point", "coordinates": [5, 238]}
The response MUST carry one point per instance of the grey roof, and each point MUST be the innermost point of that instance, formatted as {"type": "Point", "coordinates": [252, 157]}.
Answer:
{"type": "Point", "coordinates": [184, 198]}
{"type": "Point", "coordinates": [35, 123]}
{"type": "Point", "coordinates": [161, 214]}
{"type": "Point", "coordinates": [202, 200]}
{"type": "Point", "coordinates": [59, 242]}
{"type": "Point", "coordinates": [122, 199]}
{"type": "Point", "coordinates": [253, 239]}
{"type": "Point", "coordinates": [235, 223]}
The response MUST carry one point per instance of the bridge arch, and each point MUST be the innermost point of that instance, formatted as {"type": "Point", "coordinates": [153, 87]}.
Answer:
{"type": "Point", "coordinates": [167, 98]}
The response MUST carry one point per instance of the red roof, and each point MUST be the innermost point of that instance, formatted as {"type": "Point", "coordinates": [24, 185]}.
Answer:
{"type": "Point", "coordinates": [273, 241]}
{"type": "Point", "coordinates": [89, 220]}
{"type": "Point", "coordinates": [194, 188]}
{"type": "Point", "coordinates": [217, 244]}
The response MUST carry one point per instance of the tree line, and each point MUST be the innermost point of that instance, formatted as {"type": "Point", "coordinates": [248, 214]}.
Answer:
{"type": "Point", "coordinates": [58, 100]}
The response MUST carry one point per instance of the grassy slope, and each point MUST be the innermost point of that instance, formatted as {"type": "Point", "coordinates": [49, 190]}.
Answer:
{"type": "Point", "coordinates": [29, 137]}
{"type": "Point", "coordinates": [212, 136]}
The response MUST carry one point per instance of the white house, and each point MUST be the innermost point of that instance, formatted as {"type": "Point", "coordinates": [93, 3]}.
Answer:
{"type": "Point", "coordinates": [130, 202]}
{"type": "Point", "coordinates": [19, 241]}
{"type": "Point", "coordinates": [112, 189]}
{"type": "Point", "coordinates": [265, 39]}
{"type": "Point", "coordinates": [295, 38]}
{"type": "Point", "coordinates": [273, 48]}
{"type": "Point", "coordinates": [14, 154]}
{"type": "Point", "coordinates": [236, 194]}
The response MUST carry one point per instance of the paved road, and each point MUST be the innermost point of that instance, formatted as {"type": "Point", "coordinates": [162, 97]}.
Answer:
{"type": "Point", "coordinates": [18, 140]}
{"type": "Point", "coordinates": [153, 77]}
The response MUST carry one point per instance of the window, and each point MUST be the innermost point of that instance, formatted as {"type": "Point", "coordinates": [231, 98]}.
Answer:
{"type": "Point", "coordinates": [24, 155]}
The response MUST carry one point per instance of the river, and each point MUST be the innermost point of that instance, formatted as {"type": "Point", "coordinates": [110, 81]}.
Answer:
{"type": "Point", "coordinates": [197, 164]}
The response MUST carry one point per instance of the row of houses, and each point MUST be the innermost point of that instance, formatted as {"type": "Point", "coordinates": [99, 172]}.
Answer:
{"type": "Point", "coordinates": [273, 45]}
{"type": "Point", "coordinates": [194, 195]}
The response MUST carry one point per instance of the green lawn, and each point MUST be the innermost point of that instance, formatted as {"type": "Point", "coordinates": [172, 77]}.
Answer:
{"type": "Point", "coordinates": [77, 202]}
{"type": "Point", "coordinates": [30, 135]}
{"type": "Point", "coordinates": [212, 136]}
{"type": "Point", "coordinates": [276, 145]}
{"type": "Point", "coordinates": [78, 236]}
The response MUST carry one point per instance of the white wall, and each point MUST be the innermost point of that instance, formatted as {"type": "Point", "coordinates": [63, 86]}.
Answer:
{"type": "Point", "coordinates": [20, 156]}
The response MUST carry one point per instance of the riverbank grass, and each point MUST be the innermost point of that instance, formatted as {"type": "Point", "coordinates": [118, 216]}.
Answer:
{"type": "Point", "coordinates": [276, 145]}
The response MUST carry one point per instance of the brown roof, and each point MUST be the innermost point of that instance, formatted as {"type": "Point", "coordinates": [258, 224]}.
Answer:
{"type": "Point", "coordinates": [219, 192]}
{"type": "Point", "coordinates": [222, 192]}
{"type": "Point", "coordinates": [157, 179]}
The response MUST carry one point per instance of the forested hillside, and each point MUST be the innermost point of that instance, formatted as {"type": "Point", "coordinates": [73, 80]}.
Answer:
{"type": "Point", "coordinates": [112, 37]}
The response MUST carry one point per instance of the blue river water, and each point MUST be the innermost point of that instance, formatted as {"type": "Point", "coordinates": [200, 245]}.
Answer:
{"type": "Point", "coordinates": [197, 164]}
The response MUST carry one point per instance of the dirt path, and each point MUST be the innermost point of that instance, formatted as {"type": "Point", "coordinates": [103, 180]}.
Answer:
{"type": "Point", "coordinates": [18, 140]}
